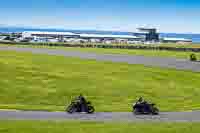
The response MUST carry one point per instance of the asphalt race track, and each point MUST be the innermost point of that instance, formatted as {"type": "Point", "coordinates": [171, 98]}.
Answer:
{"type": "Point", "coordinates": [179, 64]}
{"type": "Point", "coordinates": [101, 117]}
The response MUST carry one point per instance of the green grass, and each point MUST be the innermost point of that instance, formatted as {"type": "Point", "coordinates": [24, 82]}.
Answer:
{"type": "Point", "coordinates": [94, 127]}
{"type": "Point", "coordinates": [164, 53]}
{"type": "Point", "coordinates": [43, 82]}
{"type": "Point", "coordinates": [174, 45]}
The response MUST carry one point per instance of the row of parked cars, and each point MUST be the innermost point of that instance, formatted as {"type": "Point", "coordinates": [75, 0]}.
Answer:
{"type": "Point", "coordinates": [81, 105]}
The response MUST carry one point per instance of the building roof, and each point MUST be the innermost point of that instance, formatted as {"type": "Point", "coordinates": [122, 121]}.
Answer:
{"type": "Point", "coordinates": [147, 29]}
{"type": "Point", "coordinates": [50, 33]}
{"type": "Point", "coordinates": [108, 36]}
{"type": "Point", "coordinates": [2, 37]}
{"type": "Point", "coordinates": [175, 39]}
{"type": "Point", "coordinates": [141, 32]}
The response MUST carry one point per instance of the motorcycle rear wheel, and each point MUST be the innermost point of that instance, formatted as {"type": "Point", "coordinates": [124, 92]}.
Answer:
{"type": "Point", "coordinates": [136, 111]}
{"type": "Point", "coordinates": [71, 109]}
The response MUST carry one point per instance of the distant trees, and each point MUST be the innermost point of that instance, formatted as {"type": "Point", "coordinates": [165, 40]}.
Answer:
{"type": "Point", "coordinates": [193, 57]}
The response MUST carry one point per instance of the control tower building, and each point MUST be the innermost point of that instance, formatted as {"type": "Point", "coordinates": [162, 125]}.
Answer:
{"type": "Point", "coordinates": [150, 34]}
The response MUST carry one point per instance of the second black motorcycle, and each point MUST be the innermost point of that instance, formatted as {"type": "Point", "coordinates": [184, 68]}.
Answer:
{"type": "Point", "coordinates": [80, 105]}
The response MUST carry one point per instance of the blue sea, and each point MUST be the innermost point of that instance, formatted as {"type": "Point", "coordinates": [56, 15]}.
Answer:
{"type": "Point", "coordinates": [195, 37]}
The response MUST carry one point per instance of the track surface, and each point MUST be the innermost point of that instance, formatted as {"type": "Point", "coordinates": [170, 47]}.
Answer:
{"type": "Point", "coordinates": [126, 117]}
{"type": "Point", "coordinates": [180, 64]}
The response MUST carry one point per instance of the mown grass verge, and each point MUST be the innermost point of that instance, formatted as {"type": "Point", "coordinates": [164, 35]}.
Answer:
{"type": "Point", "coordinates": [43, 82]}
{"type": "Point", "coordinates": [100, 127]}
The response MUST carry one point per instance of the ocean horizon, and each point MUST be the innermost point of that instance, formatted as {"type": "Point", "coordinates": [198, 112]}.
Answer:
{"type": "Point", "coordinates": [195, 37]}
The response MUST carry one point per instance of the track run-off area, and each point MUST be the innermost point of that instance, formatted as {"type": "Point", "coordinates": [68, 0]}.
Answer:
{"type": "Point", "coordinates": [179, 64]}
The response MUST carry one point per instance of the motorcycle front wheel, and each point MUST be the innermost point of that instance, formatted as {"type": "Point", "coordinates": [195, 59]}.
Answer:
{"type": "Point", "coordinates": [91, 109]}
{"type": "Point", "coordinates": [155, 111]}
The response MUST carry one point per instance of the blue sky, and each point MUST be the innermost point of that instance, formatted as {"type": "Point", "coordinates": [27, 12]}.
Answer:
{"type": "Point", "coordinates": [124, 15]}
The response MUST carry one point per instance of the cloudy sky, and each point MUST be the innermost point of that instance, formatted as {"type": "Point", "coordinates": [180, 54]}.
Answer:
{"type": "Point", "coordinates": [181, 16]}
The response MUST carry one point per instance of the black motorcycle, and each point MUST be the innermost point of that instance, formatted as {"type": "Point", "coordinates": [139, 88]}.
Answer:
{"type": "Point", "coordinates": [145, 109]}
{"type": "Point", "coordinates": [79, 107]}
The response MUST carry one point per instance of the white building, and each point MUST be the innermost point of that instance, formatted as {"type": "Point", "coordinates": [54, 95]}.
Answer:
{"type": "Point", "coordinates": [39, 36]}
{"type": "Point", "coordinates": [100, 36]}
{"type": "Point", "coordinates": [48, 34]}
{"type": "Point", "coordinates": [175, 40]}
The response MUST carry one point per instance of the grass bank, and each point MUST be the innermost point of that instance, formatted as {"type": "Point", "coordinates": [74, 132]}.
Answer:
{"type": "Point", "coordinates": [154, 53]}
{"type": "Point", "coordinates": [89, 127]}
{"type": "Point", "coordinates": [43, 82]}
